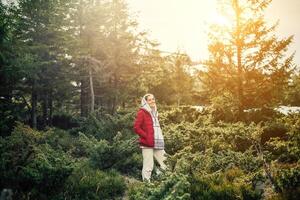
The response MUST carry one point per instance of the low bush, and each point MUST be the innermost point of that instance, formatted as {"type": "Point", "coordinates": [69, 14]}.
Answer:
{"type": "Point", "coordinates": [85, 183]}
{"type": "Point", "coordinates": [32, 168]}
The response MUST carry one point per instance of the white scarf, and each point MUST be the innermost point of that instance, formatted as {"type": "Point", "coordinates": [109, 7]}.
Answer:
{"type": "Point", "coordinates": [158, 136]}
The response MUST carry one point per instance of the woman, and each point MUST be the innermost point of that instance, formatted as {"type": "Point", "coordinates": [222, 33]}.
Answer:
{"type": "Point", "coordinates": [151, 140]}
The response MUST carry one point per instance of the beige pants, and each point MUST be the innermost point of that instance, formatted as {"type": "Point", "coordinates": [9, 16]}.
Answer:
{"type": "Point", "coordinates": [148, 161]}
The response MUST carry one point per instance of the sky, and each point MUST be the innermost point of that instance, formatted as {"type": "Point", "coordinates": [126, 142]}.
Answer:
{"type": "Point", "coordinates": [183, 24]}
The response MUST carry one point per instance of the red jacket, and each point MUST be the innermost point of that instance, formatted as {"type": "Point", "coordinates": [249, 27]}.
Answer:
{"type": "Point", "coordinates": [143, 126]}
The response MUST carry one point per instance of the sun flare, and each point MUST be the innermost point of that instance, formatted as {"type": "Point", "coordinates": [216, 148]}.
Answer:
{"type": "Point", "coordinates": [219, 20]}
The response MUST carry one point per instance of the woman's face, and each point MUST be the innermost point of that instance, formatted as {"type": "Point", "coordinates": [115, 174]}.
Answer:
{"type": "Point", "coordinates": [151, 101]}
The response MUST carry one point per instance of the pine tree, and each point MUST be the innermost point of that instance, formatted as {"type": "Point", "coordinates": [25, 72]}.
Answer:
{"type": "Point", "coordinates": [8, 77]}
{"type": "Point", "coordinates": [39, 30]}
{"type": "Point", "coordinates": [293, 93]}
{"type": "Point", "coordinates": [246, 59]}
{"type": "Point", "coordinates": [103, 47]}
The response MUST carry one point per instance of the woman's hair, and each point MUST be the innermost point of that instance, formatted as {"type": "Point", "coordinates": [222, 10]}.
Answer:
{"type": "Point", "coordinates": [147, 95]}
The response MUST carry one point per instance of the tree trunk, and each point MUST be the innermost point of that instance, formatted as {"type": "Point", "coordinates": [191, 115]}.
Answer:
{"type": "Point", "coordinates": [239, 62]}
{"type": "Point", "coordinates": [114, 102]}
{"type": "Point", "coordinates": [45, 109]}
{"type": "Point", "coordinates": [34, 105]}
{"type": "Point", "coordinates": [50, 108]}
{"type": "Point", "coordinates": [110, 98]}
{"type": "Point", "coordinates": [92, 90]}
{"type": "Point", "coordinates": [83, 97]}
{"type": "Point", "coordinates": [84, 82]}
{"type": "Point", "coordinates": [113, 108]}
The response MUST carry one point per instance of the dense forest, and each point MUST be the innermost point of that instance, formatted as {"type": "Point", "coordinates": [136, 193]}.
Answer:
{"type": "Point", "coordinates": [72, 74]}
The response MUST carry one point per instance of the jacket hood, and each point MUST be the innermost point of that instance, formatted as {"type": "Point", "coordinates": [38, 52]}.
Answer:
{"type": "Point", "coordinates": [145, 105]}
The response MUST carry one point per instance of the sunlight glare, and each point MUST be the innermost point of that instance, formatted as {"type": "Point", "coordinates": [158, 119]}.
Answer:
{"type": "Point", "coordinates": [218, 19]}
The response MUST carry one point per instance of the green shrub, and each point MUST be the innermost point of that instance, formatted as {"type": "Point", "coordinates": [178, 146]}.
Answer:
{"type": "Point", "coordinates": [65, 121]}
{"type": "Point", "coordinates": [84, 146]}
{"type": "Point", "coordinates": [229, 185]}
{"type": "Point", "coordinates": [78, 146]}
{"type": "Point", "coordinates": [171, 186]}
{"type": "Point", "coordinates": [59, 139]}
{"type": "Point", "coordinates": [47, 171]}
{"type": "Point", "coordinates": [287, 180]}
{"type": "Point", "coordinates": [286, 149]}
{"type": "Point", "coordinates": [121, 154]}
{"type": "Point", "coordinates": [10, 113]}
{"type": "Point", "coordinates": [261, 115]}
{"type": "Point", "coordinates": [224, 108]}
{"type": "Point", "coordinates": [105, 126]}
{"type": "Point", "coordinates": [30, 167]}
{"type": "Point", "coordinates": [176, 115]}
{"type": "Point", "coordinates": [87, 183]}
{"type": "Point", "coordinates": [272, 130]}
